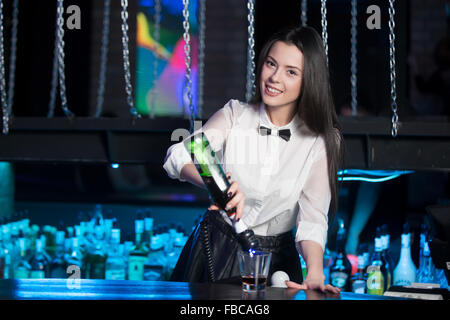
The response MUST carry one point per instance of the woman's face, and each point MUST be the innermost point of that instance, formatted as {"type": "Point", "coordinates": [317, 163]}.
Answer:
{"type": "Point", "coordinates": [281, 75]}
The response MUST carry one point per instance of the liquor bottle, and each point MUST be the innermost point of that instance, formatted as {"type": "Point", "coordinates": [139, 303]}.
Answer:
{"type": "Point", "coordinates": [385, 255]}
{"type": "Point", "coordinates": [155, 265]}
{"type": "Point", "coordinates": [115, 263]}
{"type": "Point", "coordinates": [359, 279]}
{"type": "Point", "coordinates": [340, 269]}
{"type": "Point", "coordinates": [138, 255]}
{"type": "Point", "coordinates": [58, 265]}
{"type": "Point", "coordinates": [38, 262]}
{"type": "Point", "coordinates": [75, 257]}
{"type": "Point", "coordinates": [95, 258]}
{"type": "Point", "coordinates": [217, 184]}
{"type": "Point", "coordinates": [427, 271]}
{"type": "Point", "coordinates": [21, 267]}
{"type": "Point", "coordinates": [148, 226]}
{"type": "Point", "coordinates": [405, 271]}
{"type": "Point", "coordinates": [423, 238]}
{"type": "Point", "coordinates": [376, 271]}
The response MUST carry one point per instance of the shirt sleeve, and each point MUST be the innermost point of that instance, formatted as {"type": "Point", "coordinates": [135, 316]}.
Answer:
{"type": "Point", "coordinates": [216, 130]}
{"type": "Point", "coordinates": [314, 202]}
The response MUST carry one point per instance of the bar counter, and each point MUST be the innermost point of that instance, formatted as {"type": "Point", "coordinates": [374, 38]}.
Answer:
{"type": "Point", "coordinates": [83, 289]}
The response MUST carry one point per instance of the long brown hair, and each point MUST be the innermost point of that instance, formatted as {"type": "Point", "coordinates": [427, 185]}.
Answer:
{"type": "Point", "coordinates": [315, 104]}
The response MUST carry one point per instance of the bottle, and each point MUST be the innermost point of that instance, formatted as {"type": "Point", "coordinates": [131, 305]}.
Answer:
{"type": "Point", "coordinates": [359, 279]}
{"type": "Point", "coordinates": [427, 271]}
{"type": "Point", "coordinates": [155, 266]}
{"type": "Point", "coordinates": [75, 257]}
{"type": "Point", "coordinates": [376, 271]}
{"type": "Point", "coordinates": [21, 267]}
{"type": "Point", "coordinates": [340, 269]}
{"type": "Point", "coordinates": [58, 265]}
{"type": "Point", "coordinates": [115, 263]}
{"type": "Point", "coordinates": [217, 184]}
{"type": "Point", "coordinates": [148, 226]}
{"type": "Point", "coordinates": [405, 271]}
{"type": "Point", "coordinates": [38, 262]}
{"type": "Point", "coordinates": [95, 258]}
{"type": "Point", "coordinates": [385, 255]}
{"type": "Point", "coordinates": [423, 238]}
{"type": "Point", "coordinates": [138, 255]}
{"type": "Point", "coordinates": [327, 260]}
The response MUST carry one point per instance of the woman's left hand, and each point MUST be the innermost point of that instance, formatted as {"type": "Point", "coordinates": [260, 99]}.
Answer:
{"type": "Point", "coordinates": [314, 284]}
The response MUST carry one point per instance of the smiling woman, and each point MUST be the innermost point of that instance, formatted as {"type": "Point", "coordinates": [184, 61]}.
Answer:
{"type": "Point", "coordinates": [293, 125]}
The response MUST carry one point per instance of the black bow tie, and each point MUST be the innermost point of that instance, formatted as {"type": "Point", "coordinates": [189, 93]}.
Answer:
{"type": "Point", "coordinates": [284, 133]}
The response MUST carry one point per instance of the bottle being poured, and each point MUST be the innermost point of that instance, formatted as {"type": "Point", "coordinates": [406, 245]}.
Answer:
{"type": "Point", "coordinates": [217, 185]}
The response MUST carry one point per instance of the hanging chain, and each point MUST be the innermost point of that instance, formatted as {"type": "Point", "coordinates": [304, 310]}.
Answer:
{"type": "Point", "coordinates": [354, 70]}
{"type": "Point", "coordinates": [187, 60]}
{"type": "Point", "coordinates": [2, 76]}
{"type": "Point", "coordinates": [61, 64]}
{"type": "Point", "coordinates": [323, 10]}
{"type": "Point", "coordinates": [126, 59]}
{"type": "Point", "coordinates": [251, 87]}
{"type": "Point", "coordinates": [394, 119]}
{"type": "Point", "coordinates": [13, 55]}
{"type": "Point", "coordinates": [54, 83]}
{"type": "Point", "coordinates": [304, 17]}
{"type": "Point", "coordinates": [201, 55]}
{"type": "Point", "coordinates": [156, 37]}
{"type": "Point", "coordinates": [103, 58]}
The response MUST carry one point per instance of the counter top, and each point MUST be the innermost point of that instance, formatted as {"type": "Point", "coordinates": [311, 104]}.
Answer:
{"type": "Point", "coordinates": [83, 289]}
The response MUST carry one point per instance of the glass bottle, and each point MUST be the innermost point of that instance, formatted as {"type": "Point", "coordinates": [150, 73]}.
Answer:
{"type": "Point", "coordinates": [148, 226]}
{"type": "Point", "coordinates": [385, 255]}
{"type": "Point", "coordinates": [115, 263]}
{"type": "Point", "coordinates": [155, 265]}
{"type": "Point", "coordinates": [217, 184]}
{"type": "Point", "coordinates": [75, 257]}
{"type": "Point", "coordinates": [38, 262]}
{"type": "Point", "coordinates": [95, 258]}
{"type": "Point", "coordinates": [58, 265]}
{"type": "Point", "coordinates": [427, 271]}
{"type": "Point", "coordinates": [138, 255]}
{"type": "Point", "coordinates": [21, 267]}
{"type": "Point", "coordinates": [405, 271]}
{"type": "Point", "coordinates": [376, 271]}
{"type": "Point", "coordinates": [341, 268]}
{"type": "Point", "coordinates": [359, 279]}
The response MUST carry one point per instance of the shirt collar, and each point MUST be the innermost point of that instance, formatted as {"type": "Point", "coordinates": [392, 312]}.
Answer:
{"type": "Point", "coordinates": [264, 120]}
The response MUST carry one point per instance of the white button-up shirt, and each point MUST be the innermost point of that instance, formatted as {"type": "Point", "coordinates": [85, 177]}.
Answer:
{"type": "Point", "coordinates": [285, 183]}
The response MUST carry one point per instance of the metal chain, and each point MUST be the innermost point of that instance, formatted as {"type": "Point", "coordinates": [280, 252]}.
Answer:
{"type": "Point", "coordinates": [187, 60]}
{"type": "Point", "coordinates": [54, 83]}
{"type": "Point", "coordinates": [61, 64]}
{"type": "Point", "coordinates": [156, 37]}
{"type": "Point", "coordinates": [354, 70]}
{"type": "Point", "coordinates": [251, 87]}
{"type": "Point", "coordinates": [4, 100]}
{"type": "Point", "coordinates": [304, 17]}
{"type": "Point", "coordinates": [13, 55]}
{"type": "Point", "coordinates": [126, 59]}
{"type": "Point", "coordinates": [103, 58]}
{"type": "Point", "coordinates": [323, 10]}
{"type": "Point", "coordinates": [201, 55]}
{"type": "Point", "coordinates": [394, 120]}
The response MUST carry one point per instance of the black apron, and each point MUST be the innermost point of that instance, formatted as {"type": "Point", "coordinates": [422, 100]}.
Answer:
{"type": "Point", "coordinates": [210, 254]}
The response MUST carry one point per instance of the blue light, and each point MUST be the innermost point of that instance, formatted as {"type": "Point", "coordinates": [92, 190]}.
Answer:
{"type": "Point", "coordinates": [114, 165]}
{"type": "Point", "coordinates": [370, 175]}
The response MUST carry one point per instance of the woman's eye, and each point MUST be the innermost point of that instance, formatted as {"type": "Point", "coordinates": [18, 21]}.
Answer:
{"type": "Point", "coordinates": [292, 72]}
{"type": "Point", "coordinates": [270, 63]}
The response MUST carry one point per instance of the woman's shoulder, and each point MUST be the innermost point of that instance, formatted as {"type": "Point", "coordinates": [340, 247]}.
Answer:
{"type": "Point", "coordinates": [238, 108]}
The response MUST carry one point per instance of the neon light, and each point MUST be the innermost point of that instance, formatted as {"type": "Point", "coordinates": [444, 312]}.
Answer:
{"type": "Point", "coordinates": [364, 175]}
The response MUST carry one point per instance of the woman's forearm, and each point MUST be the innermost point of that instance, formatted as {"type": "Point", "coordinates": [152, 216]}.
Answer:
{"type": "Point", "coordinates": [190, 173]}
{"type": "Point", "coordinates": [313, 254]}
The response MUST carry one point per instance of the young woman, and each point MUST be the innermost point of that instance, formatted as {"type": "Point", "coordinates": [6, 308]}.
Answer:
{"type": "Point", "coordinates": [281, 153]}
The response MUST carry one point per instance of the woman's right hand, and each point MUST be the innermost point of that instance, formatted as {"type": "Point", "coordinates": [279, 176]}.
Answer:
{"type": "Point", "coordinates": [236, 196]}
